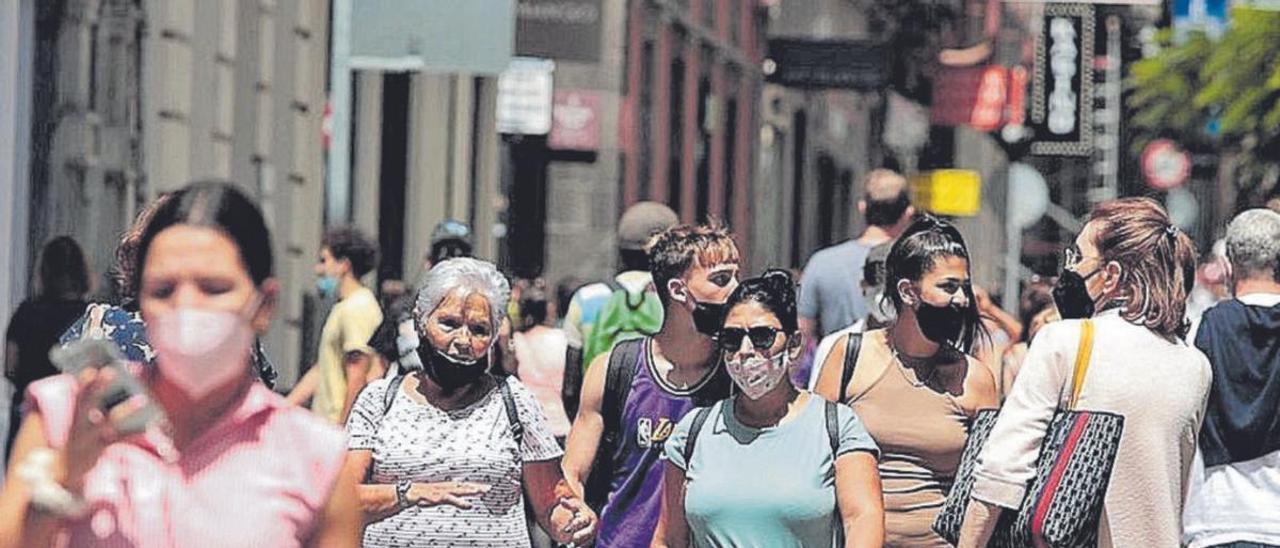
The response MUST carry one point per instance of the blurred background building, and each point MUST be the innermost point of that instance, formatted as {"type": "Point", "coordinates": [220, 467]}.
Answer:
{"type": "Point", "coordinates": [538, 121]}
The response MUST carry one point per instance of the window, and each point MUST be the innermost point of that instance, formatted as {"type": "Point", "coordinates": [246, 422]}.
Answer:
{"type": "Point", "coordinates": [730, 136]}
{"type": "Point", "coordinates": [645, 121]}
{"type": "Point", "coordinates": [702, 146]}
{"type": "Point", "coordinates": [675, 127]}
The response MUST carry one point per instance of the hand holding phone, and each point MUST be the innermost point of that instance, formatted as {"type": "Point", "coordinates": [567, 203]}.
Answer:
{"type": "Point", "coordinates": [111, 395]}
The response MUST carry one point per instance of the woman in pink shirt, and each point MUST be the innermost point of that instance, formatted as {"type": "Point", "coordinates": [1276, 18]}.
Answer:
{"type": "Point", "coordinates": [230, 464]}
{"type": "Point", "coordinates": [539, 362]}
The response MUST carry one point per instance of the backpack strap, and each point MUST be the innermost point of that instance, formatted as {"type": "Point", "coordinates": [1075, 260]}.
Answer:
{"type": "Point", "coordinates": [852, 346]}
{"type": "Point", "coordinates": [613, 284]}
{"type": "Point", "coordinates": [624, 362]}
{"type": "Point", "coordinates": [833, 427]}
{"type": "Point", "coordinates": [694, 429]}
{"type": "Point", "coordinates": [615, 287]}
{"type": "Point", "coordinates": [513, 414]}
{"type": "Point", "coordinates": [389, 397]}
{"type": "Point", "coordinates": [832, 413]}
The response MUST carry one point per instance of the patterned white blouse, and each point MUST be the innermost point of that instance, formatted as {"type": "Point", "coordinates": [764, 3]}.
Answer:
{"type": "Point", "coordinates": [425, 444]}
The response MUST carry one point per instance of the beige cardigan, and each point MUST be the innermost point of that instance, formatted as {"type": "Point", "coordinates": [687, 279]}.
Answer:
{"type": "Point", "coordinates": [1160, 388]}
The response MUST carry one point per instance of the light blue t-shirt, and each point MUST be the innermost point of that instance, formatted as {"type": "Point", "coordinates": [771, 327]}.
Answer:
{"type": "Point", "coordinates": [772, 487]}
{"type": "Point", "coordinates": [830, 288]}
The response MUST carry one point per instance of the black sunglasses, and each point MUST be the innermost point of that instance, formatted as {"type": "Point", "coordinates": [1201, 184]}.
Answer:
{"type": "Point", "coordinates": [762, 337]}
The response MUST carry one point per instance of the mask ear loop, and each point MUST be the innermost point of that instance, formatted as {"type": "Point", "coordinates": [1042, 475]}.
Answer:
{"type": "Point", "coordinates": [1119, 300]}
{"type": "Point", "coordinates": [906, 297]}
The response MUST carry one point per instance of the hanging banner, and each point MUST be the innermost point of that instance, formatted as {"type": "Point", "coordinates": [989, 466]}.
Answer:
{"type": "Point", "coordinates": [847, 64]}
{"type": "Point", "coordinates": [1062, 87]}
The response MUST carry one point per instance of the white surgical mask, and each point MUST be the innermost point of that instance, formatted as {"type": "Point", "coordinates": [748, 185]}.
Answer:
{"type": "Point", "coordinates": [878, 307]}
{"type": "Point", "coordinates": [757, 375]}
{"type": "Point", "coordinates": [200, 350]}
{"type": "Point", "coordinates": [407, 346]}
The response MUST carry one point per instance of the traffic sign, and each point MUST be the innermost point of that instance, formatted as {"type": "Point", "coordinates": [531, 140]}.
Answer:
{"type": "Point", "coordinates": [1164, 165]}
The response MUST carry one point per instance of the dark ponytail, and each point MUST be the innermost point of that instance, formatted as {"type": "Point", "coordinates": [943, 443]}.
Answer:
{"type": "Point", "coordinates": [928, 240]}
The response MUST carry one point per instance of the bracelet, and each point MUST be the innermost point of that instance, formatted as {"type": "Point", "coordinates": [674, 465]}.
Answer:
{"type": "Point", "coordinates": [402, 493]}
{"type": "Point", "coordinates": [48, 495]}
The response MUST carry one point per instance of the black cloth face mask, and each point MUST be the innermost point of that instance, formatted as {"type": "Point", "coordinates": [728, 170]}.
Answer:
{"type": "Point", "coordinates": [706, 317]}
{"type": "Point", "coordinates": [1071, 295]}
{"type": "Point", "coordinates": [940, 324]}
{"type": "Point", "coordinates": [448, 372]}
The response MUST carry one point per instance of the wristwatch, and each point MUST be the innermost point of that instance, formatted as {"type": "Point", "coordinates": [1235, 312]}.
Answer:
{"type": "Point", "coordinates": [402, 493]}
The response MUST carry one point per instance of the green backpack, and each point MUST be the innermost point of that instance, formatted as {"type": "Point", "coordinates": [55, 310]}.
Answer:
{"type": "Point", "coordinates": [626, 316]}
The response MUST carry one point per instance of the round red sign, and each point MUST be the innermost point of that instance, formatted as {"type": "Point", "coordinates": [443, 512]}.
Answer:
{"type": "Point", "coordinates": [1164, 165]}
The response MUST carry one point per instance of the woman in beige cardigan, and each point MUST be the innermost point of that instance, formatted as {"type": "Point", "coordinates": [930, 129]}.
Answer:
{"type": "Point", "coordinates": [1135, 268]}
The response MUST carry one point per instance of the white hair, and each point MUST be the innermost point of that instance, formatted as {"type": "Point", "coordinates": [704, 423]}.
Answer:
{"type": "Point", "coordinates": [1253, 244]}
{"type": "Point", "coordinates": [469, 275]}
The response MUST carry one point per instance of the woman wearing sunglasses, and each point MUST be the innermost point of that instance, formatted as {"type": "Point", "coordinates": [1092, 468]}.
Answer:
{"type": "Point", "coordinates": [772, 465]}
{"type": "Point", "coordinates": [914, 383]}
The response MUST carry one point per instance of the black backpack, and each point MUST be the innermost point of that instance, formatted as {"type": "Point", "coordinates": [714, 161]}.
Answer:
{"type": "Point", "coordinates": [508, 401]}
{"type": "Point", "coordinates": [624, 362]}
{"type": "Point", "coordinates": [830, 410]}
{"type": "Point", "coordinates": [852, 347]}
{"type": "Point", "coordinates": [617, 387]}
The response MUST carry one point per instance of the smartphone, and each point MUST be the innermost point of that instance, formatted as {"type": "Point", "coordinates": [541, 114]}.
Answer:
{"type": "Point", "coordinates": [75, 357]}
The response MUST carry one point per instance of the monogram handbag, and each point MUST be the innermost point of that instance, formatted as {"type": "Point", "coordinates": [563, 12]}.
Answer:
{"type": "Point", "coordinates": [1063, 502]}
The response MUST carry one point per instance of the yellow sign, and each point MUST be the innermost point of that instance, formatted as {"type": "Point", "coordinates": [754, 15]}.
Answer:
{"type": "Point", "coordinates": [952, 192]}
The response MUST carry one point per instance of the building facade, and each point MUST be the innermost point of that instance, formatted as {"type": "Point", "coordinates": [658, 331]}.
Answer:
{"type": "Point", "coordinates": [121, 100]}
{"type": "Point", "coordinates": [679, 85]}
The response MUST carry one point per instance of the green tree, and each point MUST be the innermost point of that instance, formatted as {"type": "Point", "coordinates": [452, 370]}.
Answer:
{"type": "Point", "coordinates": [1241, 82]}
{"type": "Point", "coordinates": [1231, 84]}
{"type": "Point", "coordinates": [1164, 88]}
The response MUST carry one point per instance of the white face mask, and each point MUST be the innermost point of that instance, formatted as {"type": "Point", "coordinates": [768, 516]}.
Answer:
{"type": "Point", "coordinates": [757, 375]}
{"type": "Point", "coordinates": [407, 345]}
{"type": "Point", "coordinates": [878, 307]}
{"type": "Point", "coordinates": [200, 350]}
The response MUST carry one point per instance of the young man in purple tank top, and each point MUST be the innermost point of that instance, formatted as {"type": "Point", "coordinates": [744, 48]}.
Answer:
{"type": "Point", "coordinates": [695, 268]}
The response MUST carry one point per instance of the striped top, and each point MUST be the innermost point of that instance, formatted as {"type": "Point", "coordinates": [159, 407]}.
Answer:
{"type": "Point", "coordinates": [260, 476]}
{"type": "Point", "coordinates": [425, 444]}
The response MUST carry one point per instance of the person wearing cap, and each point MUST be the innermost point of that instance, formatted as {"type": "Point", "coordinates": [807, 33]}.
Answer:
{"type": "Point", "coordinates": [450, 238]}
{"type": "Point", "coordinates": [638, 224]}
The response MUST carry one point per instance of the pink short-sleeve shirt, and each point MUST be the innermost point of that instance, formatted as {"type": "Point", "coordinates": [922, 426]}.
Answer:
{"type": "Point", "coordinates": [261, 476]}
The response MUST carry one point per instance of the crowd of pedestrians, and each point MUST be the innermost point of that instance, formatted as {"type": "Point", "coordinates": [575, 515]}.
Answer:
{"type": "Point", "coordinates": [880, 399]}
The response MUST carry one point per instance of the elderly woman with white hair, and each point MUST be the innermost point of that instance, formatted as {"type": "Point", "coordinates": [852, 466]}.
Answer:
{"type": "Point", "coordinates": [445, 452]}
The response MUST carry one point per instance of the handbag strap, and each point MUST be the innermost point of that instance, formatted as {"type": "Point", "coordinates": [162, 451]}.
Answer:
{"type": "Point", "coordinates": [1083, 354]}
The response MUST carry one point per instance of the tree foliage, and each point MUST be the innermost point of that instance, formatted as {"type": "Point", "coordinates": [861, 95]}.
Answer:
{"type": "Point", "coordinates": [1215, 94]}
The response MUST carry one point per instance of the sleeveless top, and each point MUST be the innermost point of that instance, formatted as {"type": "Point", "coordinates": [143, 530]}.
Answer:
{"type": "Point", "coordinates": [260, 476]}
{"type": "Point", "coordinates": [921, 434]}
{"type": "Point", "coordinates": [650, 414]}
